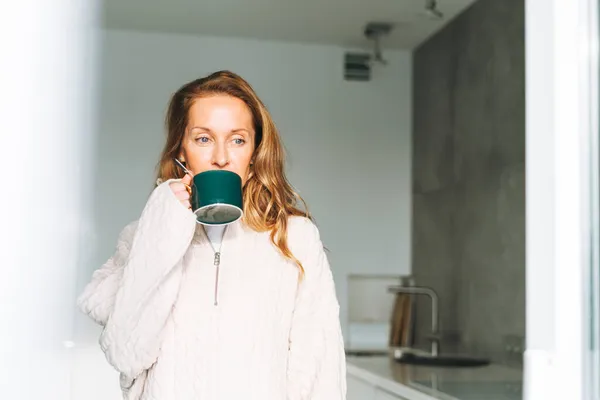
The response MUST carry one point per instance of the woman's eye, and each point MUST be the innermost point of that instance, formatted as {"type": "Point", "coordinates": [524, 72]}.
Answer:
{"type": "Point", "coordinates": [239, 141]}
{"type": "Point", "coordinates": [202, 139]}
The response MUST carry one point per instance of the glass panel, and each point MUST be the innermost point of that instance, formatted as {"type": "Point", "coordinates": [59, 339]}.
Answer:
{"type": "Point", "coordinates": [592, 367]}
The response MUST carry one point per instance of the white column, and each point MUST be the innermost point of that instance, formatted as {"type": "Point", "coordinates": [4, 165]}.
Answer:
{"type": "Point", "coordinates": [46, 132]}
{"type": "Point", "coordinates": [560, 46]}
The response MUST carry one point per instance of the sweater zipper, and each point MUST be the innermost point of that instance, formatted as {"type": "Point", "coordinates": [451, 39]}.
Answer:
{"type": "Point", "coordinates": [217, 263]}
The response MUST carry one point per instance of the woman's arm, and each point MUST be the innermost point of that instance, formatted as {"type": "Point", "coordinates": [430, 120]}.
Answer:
{"type": "Point", "coordinates": [317, 364]}
{"type": "Point", "coordinates": [98, 298]}
{"type": "Point", "coordinates": [133, 293]}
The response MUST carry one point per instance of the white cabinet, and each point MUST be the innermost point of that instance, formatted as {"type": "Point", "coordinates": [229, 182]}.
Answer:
{"type": "Point", "coordinates": [359, 389]}
{"type": "Point", "coordinates": [381, 394]}
{"type": "Point", "coordinates": [363, 390]}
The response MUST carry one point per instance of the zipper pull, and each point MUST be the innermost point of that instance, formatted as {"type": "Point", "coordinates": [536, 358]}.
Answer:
{"type": "Point", "coordinates": [217, 263]}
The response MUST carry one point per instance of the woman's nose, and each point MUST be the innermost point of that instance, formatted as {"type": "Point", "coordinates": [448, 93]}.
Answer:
{"type": "Point", "coordinates": [220, 156]}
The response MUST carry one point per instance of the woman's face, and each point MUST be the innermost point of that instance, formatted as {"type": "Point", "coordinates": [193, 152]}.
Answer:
{"type": "Point", "coordinates": [220, 135]}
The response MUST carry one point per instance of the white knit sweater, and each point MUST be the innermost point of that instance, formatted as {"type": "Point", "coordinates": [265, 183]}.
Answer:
{"type": "Point", "coordinates": [175, 332]}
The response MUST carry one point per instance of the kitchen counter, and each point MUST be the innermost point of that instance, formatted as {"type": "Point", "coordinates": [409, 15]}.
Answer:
{"type": "Point", "coordinates": [411, 382]}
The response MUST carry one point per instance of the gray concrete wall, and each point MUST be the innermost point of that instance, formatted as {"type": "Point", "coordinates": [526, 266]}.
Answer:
{"type": "Point", "coordinates": [469, 175]}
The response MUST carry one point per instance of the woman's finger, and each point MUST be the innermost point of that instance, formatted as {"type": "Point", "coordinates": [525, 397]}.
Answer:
{"type": "Point", "coordinates": [187, 180]}
{"type": "Point", "coordinates": [178, 187]}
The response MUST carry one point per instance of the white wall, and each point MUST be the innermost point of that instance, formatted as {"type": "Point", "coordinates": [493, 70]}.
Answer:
{"type": "Point", "coordinates": [348, 143]}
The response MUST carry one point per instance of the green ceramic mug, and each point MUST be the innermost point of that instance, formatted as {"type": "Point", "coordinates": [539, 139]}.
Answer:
{"type": "Point", "coordinates": [217, 197]}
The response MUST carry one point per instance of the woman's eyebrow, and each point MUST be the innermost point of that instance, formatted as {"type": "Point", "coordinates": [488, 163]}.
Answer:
{"type": "Point", "coordinates": [199, 127]}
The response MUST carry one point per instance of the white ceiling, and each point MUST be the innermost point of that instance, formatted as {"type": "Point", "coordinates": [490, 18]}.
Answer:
{"type": "Point", "coordinates": [338, 22]}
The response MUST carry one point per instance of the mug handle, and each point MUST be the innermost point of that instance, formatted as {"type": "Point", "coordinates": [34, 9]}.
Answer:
{"type": "Point", "coordinates": [189, 189]}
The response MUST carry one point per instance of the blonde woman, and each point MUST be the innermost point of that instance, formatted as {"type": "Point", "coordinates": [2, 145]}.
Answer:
{"type": "Point", "coordinates": [263, 324]}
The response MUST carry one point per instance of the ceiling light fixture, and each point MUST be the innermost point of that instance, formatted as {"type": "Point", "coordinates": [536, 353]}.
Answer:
{"type": "Point", "coordinates": [374, 31]}
{"type": "Point", "coordinates": [431, 9]}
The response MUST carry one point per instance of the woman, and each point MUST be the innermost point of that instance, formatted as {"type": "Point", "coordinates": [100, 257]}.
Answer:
{"type": "Point", "coordinates": [264, 322]}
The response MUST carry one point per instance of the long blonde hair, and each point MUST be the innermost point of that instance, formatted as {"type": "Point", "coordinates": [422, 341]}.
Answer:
{"type": "Point", "coordinates": [269, 199]}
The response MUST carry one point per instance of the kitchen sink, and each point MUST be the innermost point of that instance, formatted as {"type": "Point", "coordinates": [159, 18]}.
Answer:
{"type": "Point", "coordinates": [441, 360]}
{"type": "Point", "coordinates": [366, 353]}
{"type": "Point", "coordinates": [418, 357]}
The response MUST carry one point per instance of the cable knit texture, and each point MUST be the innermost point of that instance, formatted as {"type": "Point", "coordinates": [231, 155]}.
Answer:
{"type": "Point", "coordinates": [271, 335]}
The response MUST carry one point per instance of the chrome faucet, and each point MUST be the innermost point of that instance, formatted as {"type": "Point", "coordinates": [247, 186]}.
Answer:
{"type": "Point", "coordinates": [435, 344]}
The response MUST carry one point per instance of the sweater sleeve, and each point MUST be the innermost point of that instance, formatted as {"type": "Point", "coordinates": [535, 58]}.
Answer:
{"type": "Point", "coordinates": [132, 294]}
{"type": "Point", "coordinates": [316, 363]}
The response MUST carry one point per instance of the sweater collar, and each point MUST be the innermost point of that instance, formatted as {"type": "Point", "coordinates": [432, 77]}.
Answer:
{"type": "Point", "coordinates": [233, 232]}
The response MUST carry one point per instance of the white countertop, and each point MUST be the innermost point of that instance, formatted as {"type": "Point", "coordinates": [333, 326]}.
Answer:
{"type": "Point", "coordinates": [493, 382]}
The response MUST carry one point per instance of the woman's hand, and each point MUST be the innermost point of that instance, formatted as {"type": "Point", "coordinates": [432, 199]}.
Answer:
{"type": "Point", "coordinates": [182, 190]}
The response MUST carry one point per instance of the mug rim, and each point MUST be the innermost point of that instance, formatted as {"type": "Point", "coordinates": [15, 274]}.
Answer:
{"type": "Point", "coordinates": [241, 212]}
{"type": "Point", "coordinates": [216, 171]}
